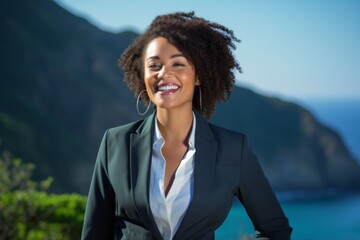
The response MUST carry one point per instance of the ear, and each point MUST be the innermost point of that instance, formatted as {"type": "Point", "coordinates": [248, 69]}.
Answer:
{"type": "Point", "coordinates": [197, 82]}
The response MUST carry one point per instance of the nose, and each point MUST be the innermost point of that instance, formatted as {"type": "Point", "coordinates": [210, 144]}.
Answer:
{"type": "Point", "coordinates": [163, 73]}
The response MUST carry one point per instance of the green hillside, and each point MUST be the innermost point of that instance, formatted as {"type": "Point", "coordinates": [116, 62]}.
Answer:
{"type": "Point", "coordinates": [296, 150]}
{"type": "Point", "coordinates": [60, 89]}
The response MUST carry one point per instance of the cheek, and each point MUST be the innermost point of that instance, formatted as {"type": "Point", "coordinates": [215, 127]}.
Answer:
{"type": "Point", "coordinates": [188, 76]}
{"type": "Point", "coordinates": [147, 77]}
{"type": "Point", "coordinates": [149, 73]}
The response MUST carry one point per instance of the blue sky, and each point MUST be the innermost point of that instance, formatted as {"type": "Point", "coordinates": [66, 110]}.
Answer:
{"type": "Point", "coordinates": [291, 49]}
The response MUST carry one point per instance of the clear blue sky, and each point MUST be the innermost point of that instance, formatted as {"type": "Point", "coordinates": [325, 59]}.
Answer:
{"type": "Point", "coordinates": [292, 49]}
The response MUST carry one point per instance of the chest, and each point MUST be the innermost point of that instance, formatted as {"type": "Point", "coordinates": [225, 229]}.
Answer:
{"type": "Point", "coordinates": [214, 188]}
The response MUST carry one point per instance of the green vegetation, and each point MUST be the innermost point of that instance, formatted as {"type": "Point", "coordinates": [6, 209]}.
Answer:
{"type": "Point", "coordinates": [27, 211]}
{"type": "Point", "coordinates": [63, 90]}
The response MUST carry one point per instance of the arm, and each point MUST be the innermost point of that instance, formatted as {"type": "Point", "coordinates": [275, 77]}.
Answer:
{"type": "Point", "coordinates": [259, 200]}
{"type": "Point", "coordinates": [99, 221]}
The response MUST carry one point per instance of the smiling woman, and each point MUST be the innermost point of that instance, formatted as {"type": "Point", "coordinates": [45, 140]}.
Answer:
{"type": "Point", "coordinates": [173, 175]}
{"type": "Point", "coordinates": [205, 45]}
{"type": "Point", "coordinates": [169, 77]}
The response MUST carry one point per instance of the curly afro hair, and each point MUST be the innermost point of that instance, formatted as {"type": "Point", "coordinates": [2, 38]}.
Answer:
{"type": "Point", "coordinates": [207, 45]}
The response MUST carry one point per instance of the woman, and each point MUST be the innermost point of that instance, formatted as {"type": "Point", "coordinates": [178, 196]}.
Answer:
{"type": "Point", "coordinates": [174, 175]}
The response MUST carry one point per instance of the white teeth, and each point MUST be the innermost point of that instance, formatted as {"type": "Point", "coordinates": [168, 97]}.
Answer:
{"type": "Point", "coordinates": [167, 87]}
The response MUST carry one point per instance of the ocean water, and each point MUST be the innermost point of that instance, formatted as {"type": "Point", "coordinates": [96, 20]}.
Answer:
{"type": "Point", "coordinates": [330, 218]}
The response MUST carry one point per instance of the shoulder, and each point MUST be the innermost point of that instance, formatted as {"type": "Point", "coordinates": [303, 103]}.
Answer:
{"type": "Point", "coordinates": [230, 145]}
{"type": "Point", "coordinates": [224, 134]}
{"type": "Point", "coordinates": [124, 130]}
{"type": "Point", "coordinates": [119, 137]}
{"type": "Point", "coordinates": [123, 133]}
{"type": "Point", "coordinates": [116, 140]}
{"type": "Point", "coordinates": [212, 131]}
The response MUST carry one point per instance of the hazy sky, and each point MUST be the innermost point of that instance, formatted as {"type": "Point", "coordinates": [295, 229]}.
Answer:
{"type": "Point", "coordinates": [292, 49]}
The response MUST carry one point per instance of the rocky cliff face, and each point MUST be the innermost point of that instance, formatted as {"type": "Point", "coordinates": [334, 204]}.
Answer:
{"type": "Point", "coordinates": [60, 88]}
{"type": "Point", "coordinates": [296, 151]}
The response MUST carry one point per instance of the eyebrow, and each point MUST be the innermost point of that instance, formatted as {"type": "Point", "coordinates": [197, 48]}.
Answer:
{"type": "Point", "coordinates": [171, 57]}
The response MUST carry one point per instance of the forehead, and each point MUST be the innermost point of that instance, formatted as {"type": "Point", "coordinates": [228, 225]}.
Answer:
{"type": "Point", "coordinates": [160, 47]}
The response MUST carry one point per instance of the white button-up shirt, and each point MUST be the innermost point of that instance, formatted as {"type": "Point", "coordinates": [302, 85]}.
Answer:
{"type": "Point", "coordinates": [169, 211]}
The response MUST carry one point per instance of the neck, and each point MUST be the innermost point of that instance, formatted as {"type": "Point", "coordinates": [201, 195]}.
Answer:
{"type": "Point", "coordinates": [174, 125]}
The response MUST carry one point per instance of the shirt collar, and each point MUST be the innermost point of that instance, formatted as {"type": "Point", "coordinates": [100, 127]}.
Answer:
{"type": "Point", "coordinates": [159, 137]}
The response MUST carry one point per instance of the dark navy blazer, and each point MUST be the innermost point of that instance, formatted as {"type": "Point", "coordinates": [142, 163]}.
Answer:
{"type": "Point", "coordinates": [118, 201]}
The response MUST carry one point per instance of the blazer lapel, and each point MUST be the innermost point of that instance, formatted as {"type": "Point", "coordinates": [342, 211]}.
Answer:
{"type": "Point", "coordinates": [140, 160]}
{"type": "Point", "coordinates": [205, 159]}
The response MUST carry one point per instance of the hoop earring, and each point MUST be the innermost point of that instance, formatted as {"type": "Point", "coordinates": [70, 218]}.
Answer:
{"type": "Point", "coordinates": [200, 98]}
{"type": "Point", "coordinates": [137, 104]}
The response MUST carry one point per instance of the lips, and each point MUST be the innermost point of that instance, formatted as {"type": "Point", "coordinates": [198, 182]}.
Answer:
{"type": "Point", "coordinates": [167, 88]}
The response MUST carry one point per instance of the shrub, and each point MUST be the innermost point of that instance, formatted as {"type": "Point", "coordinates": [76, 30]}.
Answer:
{"type": "Point", "coordinates": [27, 211]}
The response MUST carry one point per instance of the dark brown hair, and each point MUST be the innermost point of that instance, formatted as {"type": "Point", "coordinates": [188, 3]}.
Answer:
{"type": "Point", "coordinates": [207, 45]}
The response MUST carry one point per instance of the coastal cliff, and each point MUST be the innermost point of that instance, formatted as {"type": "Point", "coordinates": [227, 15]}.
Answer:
{"type": "Point", "coordinates": [60, 89]}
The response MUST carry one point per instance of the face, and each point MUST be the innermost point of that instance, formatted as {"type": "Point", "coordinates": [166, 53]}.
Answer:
{"type": "Point", "coordinates": [169, 77]}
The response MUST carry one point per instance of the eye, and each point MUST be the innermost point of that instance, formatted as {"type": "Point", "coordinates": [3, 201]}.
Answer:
{"type": "Point", "coordinates": [178, 64]}
{"type": "Point", "coordinates": [154, 66]}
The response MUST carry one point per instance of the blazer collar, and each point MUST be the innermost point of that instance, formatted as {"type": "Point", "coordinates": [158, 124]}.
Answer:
{"type": "Point", "coordinates": [140, 162]}
{"type": "Point", "coordinates": [205, 159]}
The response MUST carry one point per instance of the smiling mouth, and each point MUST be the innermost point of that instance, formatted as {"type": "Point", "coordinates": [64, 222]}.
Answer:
{"type": "Point", "coordinates": [167, 88]}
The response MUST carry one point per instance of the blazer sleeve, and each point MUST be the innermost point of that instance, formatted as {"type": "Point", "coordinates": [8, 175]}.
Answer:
{"type": "Point", "coordinates": [99, 221]}
{"type": "Point", "coordinates": [259, 200]}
